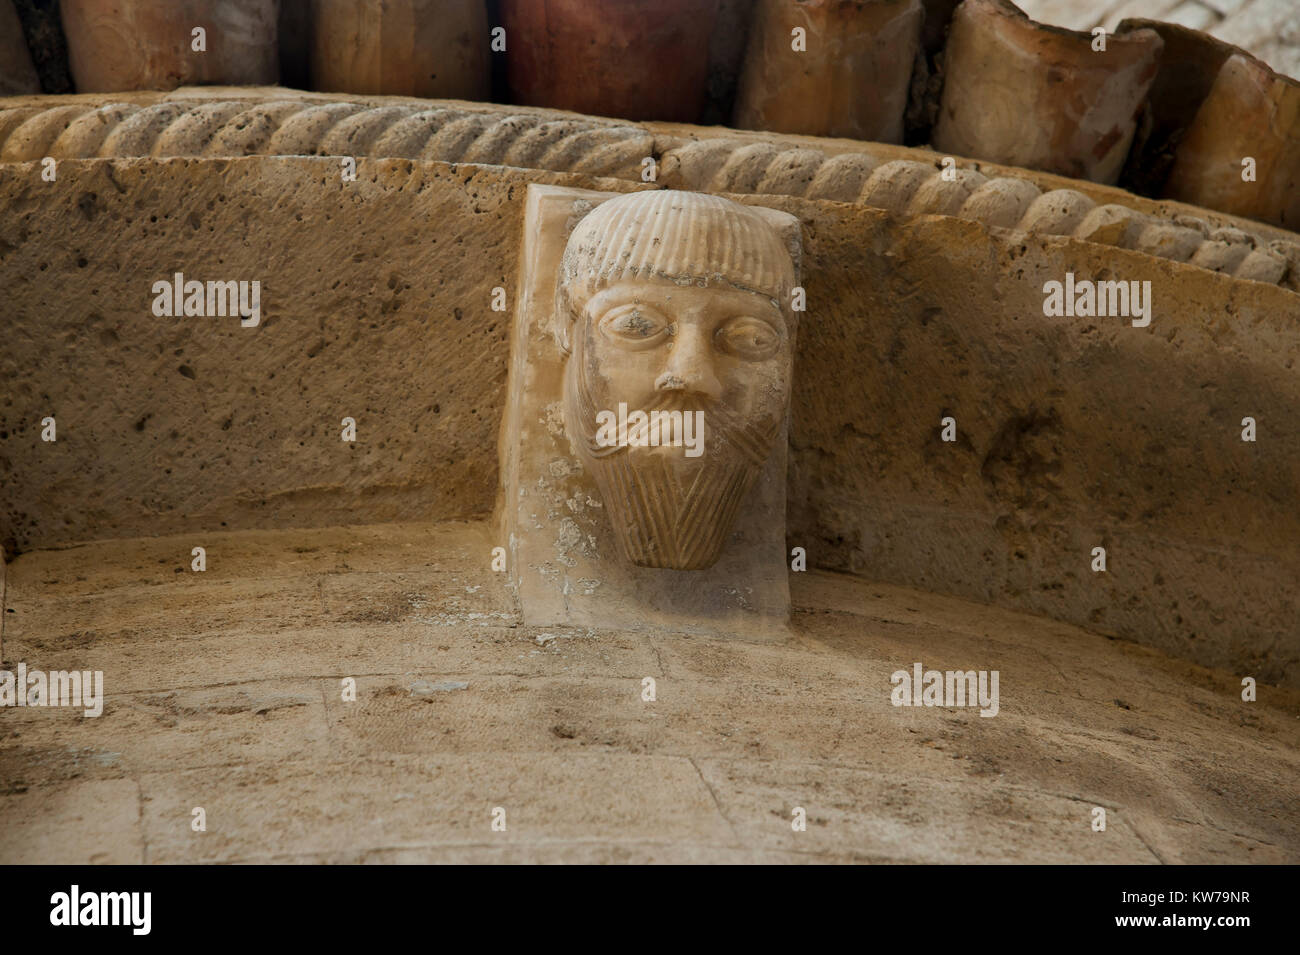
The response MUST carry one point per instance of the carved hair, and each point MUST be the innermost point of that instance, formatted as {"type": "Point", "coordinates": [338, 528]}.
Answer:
{"type": "Point", "coordinates": [684, 237]}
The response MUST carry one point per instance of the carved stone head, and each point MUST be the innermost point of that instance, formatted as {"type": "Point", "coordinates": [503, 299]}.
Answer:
{"type": "Point", "coordinates": [673, 312]}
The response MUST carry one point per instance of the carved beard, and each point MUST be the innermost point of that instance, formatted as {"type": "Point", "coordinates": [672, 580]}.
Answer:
{"type": "Point", "coordinates": [668, 510]}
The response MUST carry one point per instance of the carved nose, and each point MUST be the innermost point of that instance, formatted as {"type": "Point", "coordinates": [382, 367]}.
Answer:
{"type": "Point", "coordinates": [690, 367]}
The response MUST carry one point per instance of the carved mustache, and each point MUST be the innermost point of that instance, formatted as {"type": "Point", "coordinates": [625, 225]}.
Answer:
{"type": "Point", "coordinates": [753, 443]}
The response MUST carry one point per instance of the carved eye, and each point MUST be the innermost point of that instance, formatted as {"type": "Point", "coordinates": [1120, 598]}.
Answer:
{"type": "Point", "coordinates": [634, 326]}
{"type": "Point", "coordinates": [750, 338]}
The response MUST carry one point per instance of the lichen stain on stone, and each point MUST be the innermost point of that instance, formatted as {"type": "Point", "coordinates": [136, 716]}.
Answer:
{"type": "Point", "coordinates": [740, 597]}
{"type": "Point", "coordinates": [570, 537]}
{"type": "Point", "coordinates": [563, 467]}
{"type": "Point", "coordinates": [554, 420]}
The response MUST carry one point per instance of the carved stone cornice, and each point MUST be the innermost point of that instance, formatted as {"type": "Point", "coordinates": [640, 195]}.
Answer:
{"type": "Point", "coordinates": [904, 181]}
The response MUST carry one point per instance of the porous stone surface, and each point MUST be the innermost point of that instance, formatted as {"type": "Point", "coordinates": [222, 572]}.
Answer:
{"type": "Point", "coordinates": [1025, 94]}
{"type": "Point", "coordinates": [293, 125]}
{"type": "Point", "coordinates": [378, 288]}
{"type": "Point", "coordinates": [403, 47]}
{"type": "Point", "coordinates": [230, 122]}
{"type": "Point", "coordinates": [1071, 433]}
{"type": "Point", "coordinates": [17, 72]}
{"type": "Point", "coordinates": [851, 76]}
{"type": "Point", "coordinates": [148, 44]}
{"type": "Point", "coordinates": [224, 690]}
{"type": "Point", "coordinates": [911, 187]}
{"type": "Point", "coordinates": [1250, 113]}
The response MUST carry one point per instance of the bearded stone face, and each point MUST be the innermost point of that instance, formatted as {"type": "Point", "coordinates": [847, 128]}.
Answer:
{"type": "Point", "coordinates": [679, 362]}
{"type": "Point", "coordinates": [710, 370]}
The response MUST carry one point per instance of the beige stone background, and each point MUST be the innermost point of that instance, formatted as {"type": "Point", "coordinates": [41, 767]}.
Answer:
{"type": "Point", "coordinates": [1270, 29]}
{"type": "Point", "coordinates": [327, 560]}
{"type": "Point", "coordinates": [224, 687]}
{"type": "Point", "coordinates": [224, 693]}
{"type": "Point", "coordinates": [1071, 434]}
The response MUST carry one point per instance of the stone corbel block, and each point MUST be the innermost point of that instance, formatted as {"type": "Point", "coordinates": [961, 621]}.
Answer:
{"type": "Point", "coordinates": [675, 300]}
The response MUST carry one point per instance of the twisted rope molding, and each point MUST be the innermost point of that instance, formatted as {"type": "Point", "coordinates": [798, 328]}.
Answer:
{"type": "Point", "coordinates": [452, 133]}
{"type": "Point", "coordinates": [911, 187]}
{"type": "Point", "coordinates": [295, 128]}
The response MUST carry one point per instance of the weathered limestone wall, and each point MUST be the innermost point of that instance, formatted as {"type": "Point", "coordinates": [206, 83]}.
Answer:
{"type": "Point", "coordinates": [374, 306]}
{"type": "Point", "coordinates": [909, 181]}
{"type": "Point", "coordinates": [1072, 433]}
{"type": "Point", "coordinates": [226, 683]}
